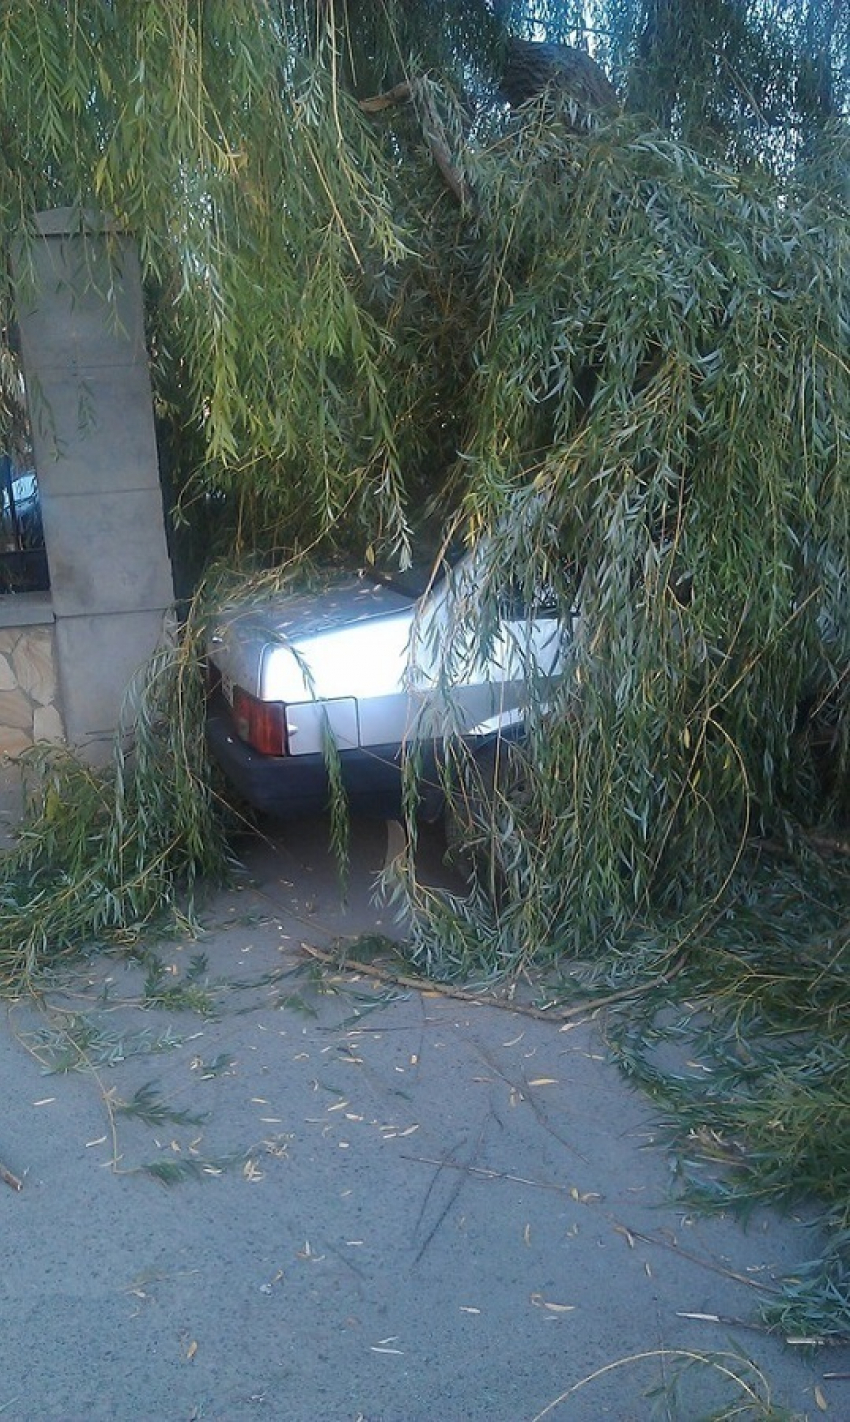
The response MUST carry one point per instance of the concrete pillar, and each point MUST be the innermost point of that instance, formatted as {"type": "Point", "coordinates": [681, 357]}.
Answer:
{"type": "Point", "coordinates": [79, 307]}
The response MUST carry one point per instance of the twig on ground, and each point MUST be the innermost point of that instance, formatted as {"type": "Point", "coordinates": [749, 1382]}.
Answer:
{"type": "Point", "coordinates": [417, 92]}
{"type": "Point", "coordinates": [727, 1319]}
{"type": "Point", "coordinates": [677, 1248]}
{"type": "Point", "coordinates": [543, 1014]}
{"type": "Point", "coordinates": [10, 1179]}
{"type": "Point", "coordinates": [489, 1174]}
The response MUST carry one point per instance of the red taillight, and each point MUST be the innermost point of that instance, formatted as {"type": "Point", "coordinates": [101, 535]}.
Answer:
{"type": "Point", "coordinates": [261, 723]}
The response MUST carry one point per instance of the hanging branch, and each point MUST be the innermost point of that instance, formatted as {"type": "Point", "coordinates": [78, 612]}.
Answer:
{"type": "Point", "coordinates": [417, 92]}
{"type": "Point", "coordinates": [398, 95]}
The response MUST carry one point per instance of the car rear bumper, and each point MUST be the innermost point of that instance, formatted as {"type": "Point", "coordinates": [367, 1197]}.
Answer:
{"type": "Point", "coordinates": [290, 786]}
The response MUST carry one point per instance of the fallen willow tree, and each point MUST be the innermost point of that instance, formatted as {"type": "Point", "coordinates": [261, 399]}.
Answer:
{"type": "Point", "coordinates": [615, 367]}
{"type": "Point", "coordinates": [614, 363]}
{"type": "Point", "coordinates": [660, 440]}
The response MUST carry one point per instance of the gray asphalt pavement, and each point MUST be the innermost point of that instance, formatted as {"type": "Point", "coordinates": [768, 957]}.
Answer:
{"type": "Point", "coordinates": [389, 1206]}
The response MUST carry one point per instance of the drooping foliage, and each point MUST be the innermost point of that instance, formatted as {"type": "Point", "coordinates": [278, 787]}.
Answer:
{"type": "Point", "coordinates": [312, 314]}
{"type": "Point", "coordinates": [104, 853]}
{"type": "Point", "coordinates": [609, 347]}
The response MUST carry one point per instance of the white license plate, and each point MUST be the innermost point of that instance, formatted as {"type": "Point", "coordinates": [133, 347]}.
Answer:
{"type": "Point", "coordinates": [227, 687]}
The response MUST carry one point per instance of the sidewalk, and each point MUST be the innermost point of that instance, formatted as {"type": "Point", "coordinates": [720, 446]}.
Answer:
{"type": "Point", "coordinates": [388, 1206]}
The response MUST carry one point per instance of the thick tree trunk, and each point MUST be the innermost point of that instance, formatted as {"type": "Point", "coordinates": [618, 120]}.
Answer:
{"type": "Point", "coordinates": [531, 67]}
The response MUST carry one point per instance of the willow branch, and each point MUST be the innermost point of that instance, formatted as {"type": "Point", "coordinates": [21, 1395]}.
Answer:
{"type": "Point", "coordinates": [525, 1009]}
{"type": "Point", "coordinates": [416, 92]}
{"type": "Point", "coordinates": [9, 1179]}
{"type": "Point", "coordinates": [399, 95]}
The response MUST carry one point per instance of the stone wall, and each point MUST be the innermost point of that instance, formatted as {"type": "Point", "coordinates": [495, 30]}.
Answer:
{"type": "Point", "coordinates": [29, 696]}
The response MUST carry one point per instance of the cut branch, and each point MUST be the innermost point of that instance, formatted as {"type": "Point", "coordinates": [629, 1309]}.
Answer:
{"type": "Point", "coordinates": [9, 1178]}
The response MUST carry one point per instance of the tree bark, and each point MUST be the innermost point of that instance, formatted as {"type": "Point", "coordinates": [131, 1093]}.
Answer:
{"type": "Point", "coordinates": [417, 93]}
{"type": "Point", "coordinates": [9, 1179]}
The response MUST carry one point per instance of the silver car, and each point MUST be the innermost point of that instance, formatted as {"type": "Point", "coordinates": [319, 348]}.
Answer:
{"type": "Point", "coordinates": [365, 670]}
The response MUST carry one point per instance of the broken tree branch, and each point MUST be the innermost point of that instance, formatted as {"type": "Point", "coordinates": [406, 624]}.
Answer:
{"type": "Point", "coordinates": [9, 1178]}
{"type": "Point", "coordinates": [543, 1014]}
{"type": "Point", "coordinates": [417, 92]}
{"type": "Point", "coordinates": [399, 95]}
